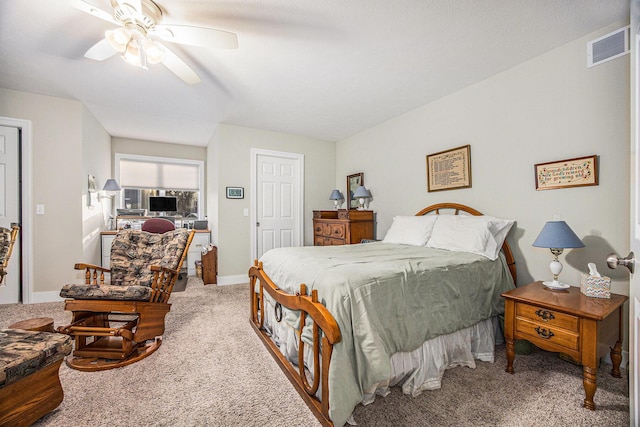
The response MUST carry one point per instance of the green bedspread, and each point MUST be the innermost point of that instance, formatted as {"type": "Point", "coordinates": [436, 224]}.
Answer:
{"type": "Point", "coordinates": [386, 299]}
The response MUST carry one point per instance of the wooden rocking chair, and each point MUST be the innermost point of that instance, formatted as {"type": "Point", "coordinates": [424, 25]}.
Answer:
{"type": "Point", "coordinates": [122, 322]}
{"type": "Point", "coordinates": [7, 240]}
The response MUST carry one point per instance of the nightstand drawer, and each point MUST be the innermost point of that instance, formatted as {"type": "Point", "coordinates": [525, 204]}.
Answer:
{"type": "Point", "coordinates": [544, 333]}
{"type": "Point", "coordinates": [547, 318]}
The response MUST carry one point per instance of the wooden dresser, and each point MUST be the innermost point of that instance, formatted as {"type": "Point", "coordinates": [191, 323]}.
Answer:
{"type": "Point", "coordinates": [341, 227]}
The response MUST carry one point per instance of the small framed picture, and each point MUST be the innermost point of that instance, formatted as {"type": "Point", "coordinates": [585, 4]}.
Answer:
{"type": "Point", "coordinates": [235, 192]}
{"type": "Point", "coordinates": [578, 172]}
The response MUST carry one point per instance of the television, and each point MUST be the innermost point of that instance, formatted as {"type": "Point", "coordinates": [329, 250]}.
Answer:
{"type": "Point", "coordinates": [163, 204]}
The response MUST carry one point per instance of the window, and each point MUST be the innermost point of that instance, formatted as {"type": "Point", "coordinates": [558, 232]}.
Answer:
{"type": "Point", "coordinates": [142, 176]}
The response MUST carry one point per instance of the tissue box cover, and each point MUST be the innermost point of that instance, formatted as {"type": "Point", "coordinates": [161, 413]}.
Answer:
{"type": "Point", "coordinates": [598, 287]}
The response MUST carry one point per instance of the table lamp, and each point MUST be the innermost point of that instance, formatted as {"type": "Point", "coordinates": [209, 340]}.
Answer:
{"type": "Point", "coordinates": [361, 193]}
{"type": "Point", "coordinates": [557, 236]}
{"type": "Point", "coordinates": [336, 196]}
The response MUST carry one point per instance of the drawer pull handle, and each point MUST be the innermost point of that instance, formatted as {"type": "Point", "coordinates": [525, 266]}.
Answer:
{"type": "Point", "coordinates": [545, 315]}
{"type": "Point", "coordinates": [544, 333]}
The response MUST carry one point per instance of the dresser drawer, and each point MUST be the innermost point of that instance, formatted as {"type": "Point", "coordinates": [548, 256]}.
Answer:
{"type": "Point", "coordinates": [543, 333]}
{"type": "Point", "coordinates": [337, 231]}
{"type": "Point", "coordinates": [547, 318]}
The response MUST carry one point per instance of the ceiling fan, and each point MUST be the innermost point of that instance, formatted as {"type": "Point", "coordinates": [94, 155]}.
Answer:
{"type": "Point", "coordinates": [139, 28]}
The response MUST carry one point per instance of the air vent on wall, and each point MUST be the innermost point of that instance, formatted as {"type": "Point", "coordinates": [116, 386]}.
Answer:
{"type": "Point", "coordinates": [608, 47]}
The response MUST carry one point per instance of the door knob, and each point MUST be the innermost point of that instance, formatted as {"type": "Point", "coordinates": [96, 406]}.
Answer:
{"type": "Point", "coordinates": [613, 260]}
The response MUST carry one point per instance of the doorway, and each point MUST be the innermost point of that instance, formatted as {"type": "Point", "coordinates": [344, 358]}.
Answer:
{"type": "Point", "coordinates": [277, 200]}
{"type": "Point", "coordinates": [17, 188]}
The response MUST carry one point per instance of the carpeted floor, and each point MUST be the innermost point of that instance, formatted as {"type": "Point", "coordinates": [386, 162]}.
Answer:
{"type": "Point", "coordinates": [212, 370]}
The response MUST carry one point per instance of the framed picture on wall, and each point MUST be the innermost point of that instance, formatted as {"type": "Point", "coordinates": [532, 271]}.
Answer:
{"type": "Point", "coordinates": [353, 181]}
{"type": "Point", "coordinates": [235, 192]}
{"type": "Point", "coordinates": [449, 169]}
{"type": "Point", "coordinates": [577, 172]}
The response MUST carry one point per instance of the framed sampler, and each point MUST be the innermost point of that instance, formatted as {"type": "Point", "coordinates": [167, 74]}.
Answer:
{"type": "Point", "coordinates": [578, 172]}
{"type": "Point", "coordinates": [449, 169]}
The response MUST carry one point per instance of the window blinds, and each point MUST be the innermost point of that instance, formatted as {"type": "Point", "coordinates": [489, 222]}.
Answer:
{"type": "Point", "coordinates": [159, 175]}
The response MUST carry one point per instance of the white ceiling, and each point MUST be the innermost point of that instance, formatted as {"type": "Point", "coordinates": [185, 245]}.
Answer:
{"type": "Point", "coordinates": [322, 68]}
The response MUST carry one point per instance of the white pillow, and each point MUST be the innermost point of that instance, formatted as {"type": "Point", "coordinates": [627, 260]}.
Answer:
{"type": "Point", "coordinates": [410, 230]}
{"type": "Point", "coordinates": [482, 235]}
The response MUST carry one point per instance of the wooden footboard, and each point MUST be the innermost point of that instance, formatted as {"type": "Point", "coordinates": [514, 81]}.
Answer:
{"type": "Point", "coordinates": [325, 335]}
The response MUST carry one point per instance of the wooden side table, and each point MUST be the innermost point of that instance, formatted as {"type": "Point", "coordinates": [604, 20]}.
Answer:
{"type": "Point", "coordinates": [565, 321]}
{"type": "Point", "coordinates": [39, 324]}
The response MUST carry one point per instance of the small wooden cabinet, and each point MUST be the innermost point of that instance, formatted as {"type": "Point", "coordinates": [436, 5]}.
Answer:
{"type": "Point", "coordinates": [565, 321]}
{"type": "Point", "coordinates": [341, 227]}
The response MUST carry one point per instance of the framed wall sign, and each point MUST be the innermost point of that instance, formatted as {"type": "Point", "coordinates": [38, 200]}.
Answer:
{"type": "Point", "coordinates": [235, 192]}
{"type": "Point", "coordinates": [449, 169]}
{"type": "Point", "coordinates": [353, 181]}
{"type": "Point", "coordinates": [577, 172]}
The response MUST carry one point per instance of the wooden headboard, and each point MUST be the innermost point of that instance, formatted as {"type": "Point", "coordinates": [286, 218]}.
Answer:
{"type": "Point", "coordinates": [457, 208]}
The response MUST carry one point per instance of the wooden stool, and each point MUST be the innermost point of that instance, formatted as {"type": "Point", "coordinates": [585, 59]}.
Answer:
{"type": "Point", "coordinates": [39, 324]}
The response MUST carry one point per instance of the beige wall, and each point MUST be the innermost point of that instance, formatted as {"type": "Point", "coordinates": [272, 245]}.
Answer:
{"type": "Point", "coordinates": [96, 160]}
{"type": "Point", "coordinates": [549, 108]}
{"type": "Point", "coordinates": [229, 165]}
{"type": "Point", "coordinates": [66, 142]}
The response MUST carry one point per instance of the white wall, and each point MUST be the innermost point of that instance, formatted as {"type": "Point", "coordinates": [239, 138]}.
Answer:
{"type": "Point", "coordinates": [67, 143]}
{"type": "Point", "coordinates": [549, 108]}
{"type": "Point", "coordinates": [228, 164]}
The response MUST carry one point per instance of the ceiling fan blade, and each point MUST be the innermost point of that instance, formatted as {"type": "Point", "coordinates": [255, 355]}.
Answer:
{"type": "Point", "coordinates": [178, 67]}
{"type": "Point", "coordinates": [100, 51]}
{"type": "Point", "coordinates": [92, 10]}
{"type": "Point", "coordinates": [128, 5]}
{"type": "Point", "coordinates": [196, 36]}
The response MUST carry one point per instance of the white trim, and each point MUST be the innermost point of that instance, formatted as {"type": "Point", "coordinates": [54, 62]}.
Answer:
{"type": "Point", "coordinates": [51, 296]}
{"type": "Point", "coordinates": [255, 152]}
{"type": "Point", "coordinates": [200, 163]}
{"type": "Point", "coordinates": [233, 280]}
{"type": "Point", "coordinates": [26, 226]}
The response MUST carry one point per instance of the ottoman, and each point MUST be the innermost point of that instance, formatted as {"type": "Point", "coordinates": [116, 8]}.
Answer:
{"type": "Point", "coordinates": [29, 382]}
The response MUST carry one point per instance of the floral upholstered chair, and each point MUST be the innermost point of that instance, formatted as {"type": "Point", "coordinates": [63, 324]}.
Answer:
{"type": "Point", "coordinates": [113, 322]}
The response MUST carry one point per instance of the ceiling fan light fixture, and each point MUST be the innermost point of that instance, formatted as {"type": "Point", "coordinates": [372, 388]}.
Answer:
{"type": "Point", "coordinates": [154, 51]}
{"type": "Point", "coordinates": [134, 54]}
{"type": "Point", "coordinates": [118, 39]}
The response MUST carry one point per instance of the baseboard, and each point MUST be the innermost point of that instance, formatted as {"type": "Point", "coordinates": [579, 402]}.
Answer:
{"type": "Point", "coordinates": [233, 280]}
{"type": "Point", "coordinates": [38, 297]}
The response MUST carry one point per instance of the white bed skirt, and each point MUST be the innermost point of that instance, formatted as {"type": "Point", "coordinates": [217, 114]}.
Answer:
{"type": "Point", "coordinates": [415, 371]}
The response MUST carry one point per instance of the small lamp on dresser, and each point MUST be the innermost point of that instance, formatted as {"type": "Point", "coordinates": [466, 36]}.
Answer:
{"type": "Point", "coordinates": [557, 236]}
{"type": "Point", "coordinates": [336, 196]}
{"type": "Point", "coordinates": [362, 194]}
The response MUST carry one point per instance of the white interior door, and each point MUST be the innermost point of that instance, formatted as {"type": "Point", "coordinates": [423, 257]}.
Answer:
{"type": "Point", "coordinates": [278, 196]}
{"type": "Point", "coordinates": [634, 287]}
{"type": "Point", "coordinates": [10, 208]}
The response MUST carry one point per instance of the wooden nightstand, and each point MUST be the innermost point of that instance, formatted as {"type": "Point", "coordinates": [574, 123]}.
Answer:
{"type": "Point", "coordinates": [564, 321]}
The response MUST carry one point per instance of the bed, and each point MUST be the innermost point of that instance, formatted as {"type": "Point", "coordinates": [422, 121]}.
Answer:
{"type": "Point", "coordinates": [347, 322]}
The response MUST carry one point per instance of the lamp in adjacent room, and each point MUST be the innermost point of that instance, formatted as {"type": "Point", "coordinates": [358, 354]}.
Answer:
{"type": "Point", "coordinates": [361, 193]}
{"type": "Point", "coordinates": [557, 236]}
{"type": "Point", "coordinates": [336, 196]}
{"type": "Point", "coordinates": [109, 189]}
